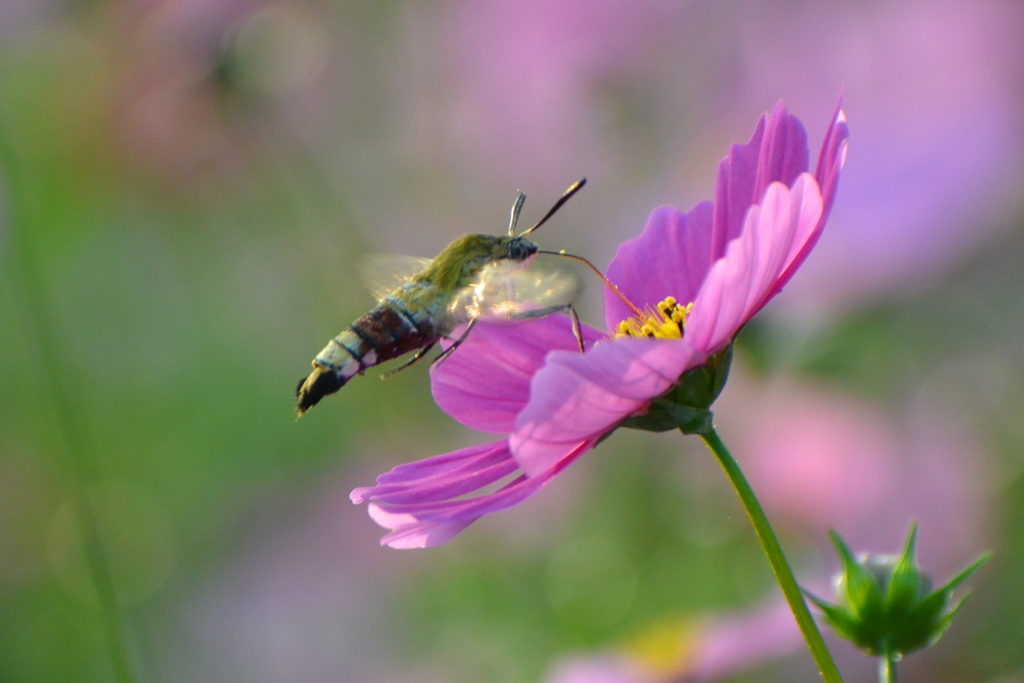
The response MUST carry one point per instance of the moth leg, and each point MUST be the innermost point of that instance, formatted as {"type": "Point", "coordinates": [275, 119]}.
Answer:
{"type": "Point", "coordinates": [447, 352]}
{"type": "Point", "coordinates": [577, 330]}
{"type": "Point", "coordinates": [419, 354]}
{"type": "Point", "coordinates": [538, 312]}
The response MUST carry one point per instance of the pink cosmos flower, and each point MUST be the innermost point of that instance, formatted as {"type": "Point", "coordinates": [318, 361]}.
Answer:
{"type": "Point", "coordinates": [530, 382]}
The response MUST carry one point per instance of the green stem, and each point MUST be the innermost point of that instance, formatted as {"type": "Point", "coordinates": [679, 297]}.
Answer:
{"type": "Point", "coordinates": [29, 297]}
{"type": "Point", "coordinates": [887, 667]}
{"type": "Point", "coordinates": [783, 573]}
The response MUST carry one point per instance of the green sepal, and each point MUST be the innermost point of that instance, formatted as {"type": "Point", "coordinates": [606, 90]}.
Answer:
{"type": "Point", "coordinates": [686, 406]}
{"type": "Point", "coordinates": [841, 621]}
{"type": "Point", "coordinates": [723, 363]}
{"type": "Point", "coordinates": [921, 626]}
{"type": "Point", "coordinates": [906, 584]}
{"type": "Point", "coordinates": [931, 608]}
{"type": "Point", "coordinates": [955, 582]}
{"type": "Point", "coordinates": [946, 620]}
{"type": "Point", "coordinates": [863, 595]}
{"type": "Point", "coordinates": [699, 387]}
{"type": "Point", "coordinates": [664, 415]}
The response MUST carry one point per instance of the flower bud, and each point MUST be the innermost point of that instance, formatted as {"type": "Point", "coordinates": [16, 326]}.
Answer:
{"type": "Point", "coordinates": [886, 606]}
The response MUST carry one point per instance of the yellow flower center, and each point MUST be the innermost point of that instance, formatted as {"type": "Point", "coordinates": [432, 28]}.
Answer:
{"type": "Point", "coordinates": [666, 322]}
{"type": "Point", "coordinates": [665, 649]}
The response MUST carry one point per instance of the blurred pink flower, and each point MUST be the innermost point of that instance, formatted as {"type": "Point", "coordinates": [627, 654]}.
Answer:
{"type": "Point", "coordinates": [202, 82]}
{"type": "Point", "coordinates": [598, 668]}
{"type": "Point", "coordinates": [294, 601]}
{"type": "Point", "coordinates": [16, 16]}
{"type": "Point", "coordinates": [525, 74]}
{"type": "Point", "coordinates": [705, 649]}
{"type": "Point", "coordinates": [727, 258]}
{"type": "Point", "coordinates": [169, 110]}
{"type": "Point", "coordinates": [820, 459]}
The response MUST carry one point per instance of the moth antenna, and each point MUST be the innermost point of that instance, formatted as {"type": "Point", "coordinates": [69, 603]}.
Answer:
{"type": "Point", "coordinates": [608, 283]}
{"type": "Point", "coordinates": [517, 208]}
{"type": "Point", "coordinates": [573, 189]}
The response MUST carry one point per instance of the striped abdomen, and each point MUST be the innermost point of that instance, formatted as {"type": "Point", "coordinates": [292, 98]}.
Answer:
{"type": "Point", "coordinates": [388, 331]}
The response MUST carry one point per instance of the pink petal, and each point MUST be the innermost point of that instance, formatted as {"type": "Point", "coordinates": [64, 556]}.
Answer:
{"type": "Point", "coordinates": [669, 258]}
{"type": "Point", "coordinates": [441, 477]}
{"type": "Point", "coordinates": [830, 163]}
{"type": "Point", "coordinates": [734, 189]}
{"type": "Point", "coordinates": [832, 158]}
{"type": "Point", "coordinates": [408, 532]}
{"type": "Point", "coordinates": [576, 398]}
{"type": "Point", "coordinates": [486, 381]}
{"type": "Point", "coordinates": [742, 281]}
{"type": "Point", "coordinates": [777, 152]}
{"type": "Point", "coordinates": [784, 154]}
{"type": "Point", "coordinates": [433, 520]}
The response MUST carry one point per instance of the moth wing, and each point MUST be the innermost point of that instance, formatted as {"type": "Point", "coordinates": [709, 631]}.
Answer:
{"type": "Point", "coordinates": [505, 291]}
{"type": "Point", "coordinates": [384, 273]}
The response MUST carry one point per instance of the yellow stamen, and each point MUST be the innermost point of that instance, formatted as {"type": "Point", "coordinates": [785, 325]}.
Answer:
{"type": "Point", "coordinates": [666, 321]}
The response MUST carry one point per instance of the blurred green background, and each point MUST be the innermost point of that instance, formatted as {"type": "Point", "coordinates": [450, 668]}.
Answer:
{"type": "Point", "coordinates": [187, 188]}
